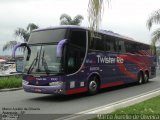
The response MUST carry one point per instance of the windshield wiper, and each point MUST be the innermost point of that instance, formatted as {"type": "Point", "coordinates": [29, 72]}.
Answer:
{"type": "Point", "coordinates": [34, 62]}
{"type": "Point", "coordinates": [44, 63]}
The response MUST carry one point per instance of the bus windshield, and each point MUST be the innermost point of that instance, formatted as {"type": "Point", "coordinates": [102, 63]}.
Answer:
{"type": "Point", "coordinates": [43, 45]}
{"type": "Point", "coordinates": [43, 59]}
{"type": "Point", "coordinates": [49, 57]}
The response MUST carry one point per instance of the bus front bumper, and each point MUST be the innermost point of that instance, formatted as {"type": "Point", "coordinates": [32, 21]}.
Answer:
{"type": "Point", "coordinates": [44, 89]}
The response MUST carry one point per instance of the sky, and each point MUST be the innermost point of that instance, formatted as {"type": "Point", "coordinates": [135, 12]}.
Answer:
{"type": "Point", "coordinates": [126, 17]}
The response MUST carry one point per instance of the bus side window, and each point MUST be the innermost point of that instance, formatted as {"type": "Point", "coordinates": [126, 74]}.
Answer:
{"type": "Point", "coordinates": [117, 47]}
{"type": "Point", "coordinates": [121, 47]}
{"type": "Point", "coordinates": [78, 38]}
{"type": "Point", "coordinates": [137, 48]}
{"type": "Point", "coordinates": [112, 44]}
{"type": "Point", "coordinates": [76, 50]}
{"type": "Point", "coordinates": [128, 47]}
{"type": "Point", "coordinates": [97, 42]}
{"type": "Point", "coordinates": [109, 43]}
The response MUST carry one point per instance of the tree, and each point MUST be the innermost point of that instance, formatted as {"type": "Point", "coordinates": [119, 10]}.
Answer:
{"type": "Point", "coordinates": [154, 19]}
{"type": "Point", "coordinates": [67, 20]}
{"type": "Point", "coordinates": [95, 12]}
{"type": "Point", "coordinates": [22, 33]}
{"type": "Point", "coordinates": [9, 45]}
{"type": "Point", "coordinates": [95, 8]}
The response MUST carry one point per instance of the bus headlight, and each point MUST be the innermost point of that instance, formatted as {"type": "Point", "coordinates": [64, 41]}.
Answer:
{"type": "Point", "coordinates": [25, 82]}
{"type": "Point", "coordinates": [58, 83]}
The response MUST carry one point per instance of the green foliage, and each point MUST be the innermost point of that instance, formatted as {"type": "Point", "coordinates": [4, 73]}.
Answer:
{"type": "Point", "coordinates": [158, 51]}
{"type": "Point", "coordinates": [148, 107]}
{"type": "Point", "coordinates": [154, 19]}
{"type": "Point", "coordinates": [25, 33]}
{"type": "Point", "coordinates": [9, 45]}
{"type": "Point", "coordinates": [31, 27]}
{"type": "Point", "coordinates": [95, 12]}
{"type": "Point", "coordinates": [10, 82]}
{"type": "Point", "coordinates": [67, 20]}
{"type": "Point", "coordinates": [95, 9]}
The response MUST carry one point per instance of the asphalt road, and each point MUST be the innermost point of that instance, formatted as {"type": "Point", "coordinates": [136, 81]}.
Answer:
{"type": "Point", "coordinates": [31, 103]}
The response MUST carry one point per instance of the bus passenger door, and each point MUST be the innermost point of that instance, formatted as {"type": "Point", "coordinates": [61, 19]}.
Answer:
{"type": "Point", "coordinates": [76, 50]}
{"type": "Point", "coordinates": [75, 55]}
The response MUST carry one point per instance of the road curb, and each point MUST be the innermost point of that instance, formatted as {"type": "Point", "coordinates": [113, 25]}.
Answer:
{"type": "Point", "coordinates": [88, 114]}
{"type": "Point", "coordinates": [10, 89]}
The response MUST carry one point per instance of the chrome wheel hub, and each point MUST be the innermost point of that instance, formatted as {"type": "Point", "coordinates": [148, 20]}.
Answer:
{"type": "Point", "coordinates": [93, 86]}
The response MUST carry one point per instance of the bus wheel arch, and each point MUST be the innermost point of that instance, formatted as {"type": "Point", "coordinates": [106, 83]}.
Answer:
{"type": "Point", "coordinates": [93, 84]}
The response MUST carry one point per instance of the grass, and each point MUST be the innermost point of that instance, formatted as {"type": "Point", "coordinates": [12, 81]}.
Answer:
{"type": "Point", "coordinates": [10, 82]}
{"type": "Point", "coordinates": [149, 108]}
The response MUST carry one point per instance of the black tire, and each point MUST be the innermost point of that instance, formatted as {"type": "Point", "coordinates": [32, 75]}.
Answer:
{"type": "Point", "coordinates": [146, 78]}
{"type": "Point", "coordinates": [93, 85]}
{"type": "Point", "coordinates": [140, 78]}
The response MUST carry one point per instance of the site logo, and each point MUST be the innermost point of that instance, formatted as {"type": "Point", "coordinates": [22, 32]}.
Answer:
{"type": "Point", "coordinates": [109, 60]}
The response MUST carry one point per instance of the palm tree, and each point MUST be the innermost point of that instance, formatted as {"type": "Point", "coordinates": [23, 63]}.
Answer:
{"type": "Point", "coordinates": [95, 12]}
{"type": "Point", "coordinates": [95, 9]}
{"type": "Point", "coordinates": [9, 45]}
{"type": "Point", "coordinates": [22, 33]}
{"type": "Point", "coordinates": [67, 20]}
{"type": "Point", "coordinates": [154, 19]}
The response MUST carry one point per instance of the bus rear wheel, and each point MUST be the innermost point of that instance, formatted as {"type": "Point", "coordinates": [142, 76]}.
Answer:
{"type": "Point", "coordinates": [93, 86]}
{"type": "Point", "coordinates": [146, 78]}
{"type": "Point", "coordinates": [140, 78]}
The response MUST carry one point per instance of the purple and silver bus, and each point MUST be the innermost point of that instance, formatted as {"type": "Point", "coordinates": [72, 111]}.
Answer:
{"type": "Point", "coordinates": [70, 59]}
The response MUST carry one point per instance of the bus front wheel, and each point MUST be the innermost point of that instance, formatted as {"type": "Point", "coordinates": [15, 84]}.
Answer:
{"type": "Point", "coordinates": [93, 85]}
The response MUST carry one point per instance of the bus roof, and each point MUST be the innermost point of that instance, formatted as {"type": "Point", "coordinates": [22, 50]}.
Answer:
{"type": "Point", "coordinates": [61, 27]}
{"type": "Point", "coordinates": [109, 33]}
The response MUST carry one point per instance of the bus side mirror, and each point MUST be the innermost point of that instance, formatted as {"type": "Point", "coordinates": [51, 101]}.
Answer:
{"type": "Point", "coordinates": [60, 47]}
{"type": "Point", "coordinates": [20, 60]}
{"type": "Point", "coordinates": [21, 45]}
